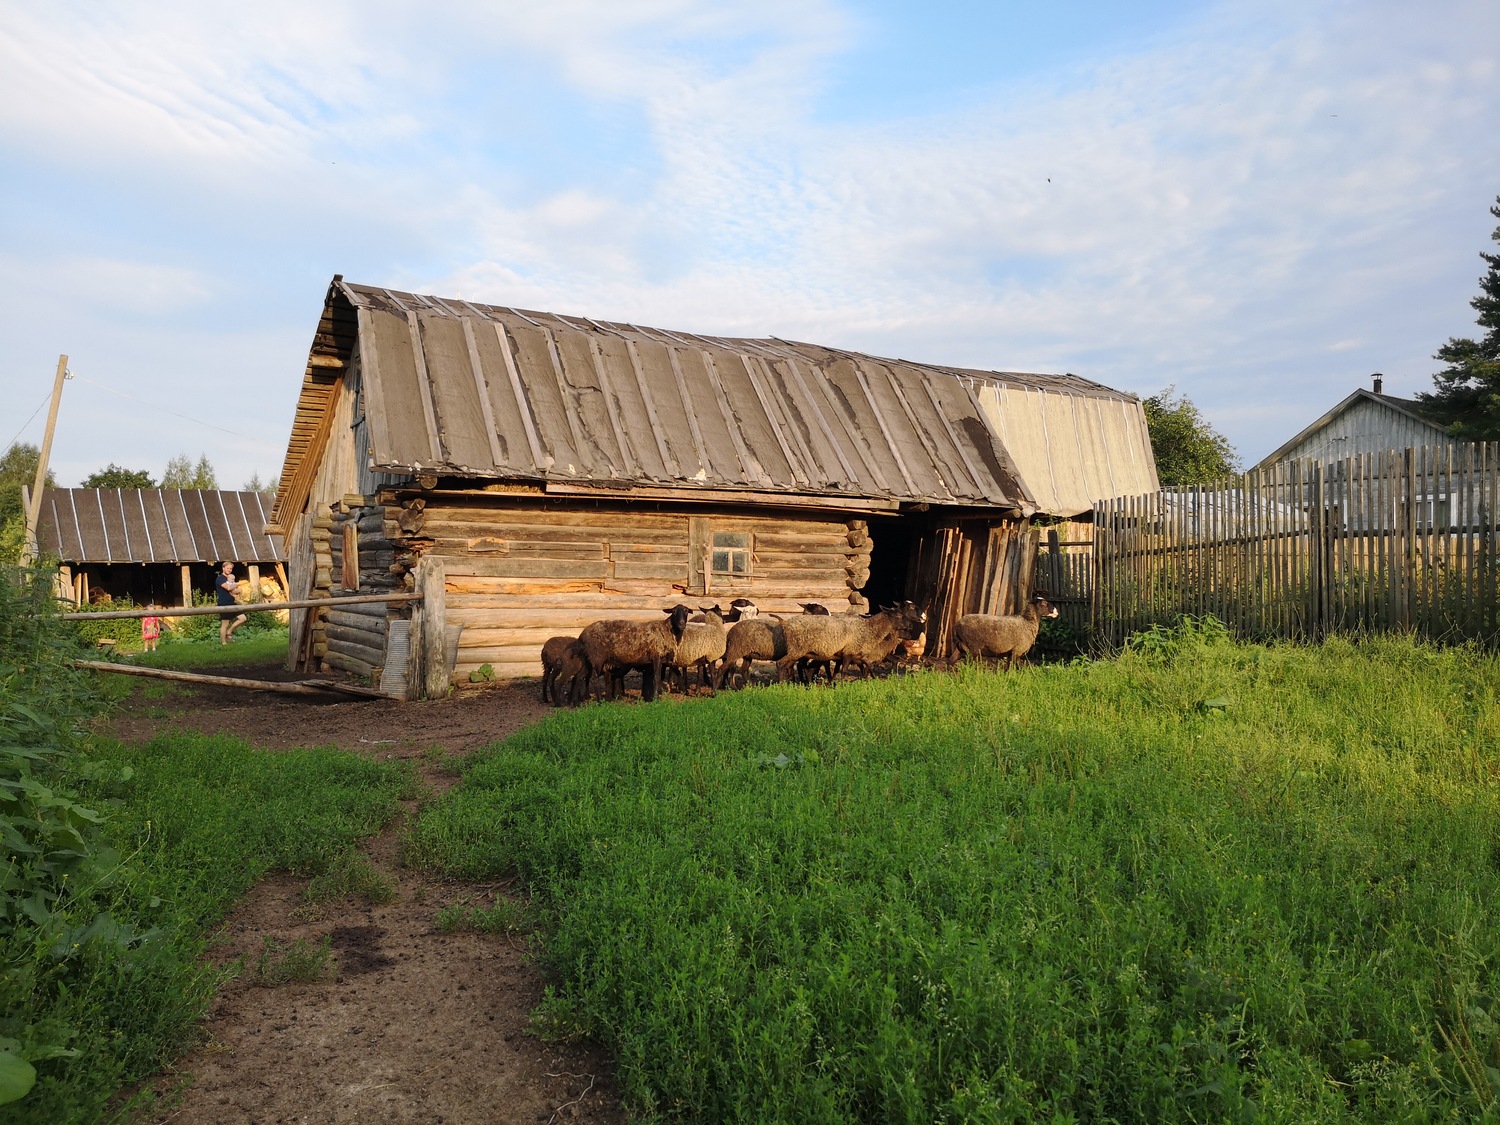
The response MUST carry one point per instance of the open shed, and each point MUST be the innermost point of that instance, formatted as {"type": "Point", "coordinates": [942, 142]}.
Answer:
{"type": "Point", "coordinates": [155, 544]}
{"type": "Point", "coordinates": [553, 470]}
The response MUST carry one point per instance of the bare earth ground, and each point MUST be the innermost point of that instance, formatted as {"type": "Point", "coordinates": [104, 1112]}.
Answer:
{"type": "Point", "coordinates": [415, 1025]}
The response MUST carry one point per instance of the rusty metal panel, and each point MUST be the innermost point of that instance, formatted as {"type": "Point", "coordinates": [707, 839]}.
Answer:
{"type": "Point", "coordinates": [397, 395]}
{"type": "Point", "coordinates": [454, 398]}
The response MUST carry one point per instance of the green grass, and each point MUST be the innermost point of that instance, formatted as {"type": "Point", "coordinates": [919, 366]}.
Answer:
{"type": "Point", "coordinates": [1201, 883]}
{"type": "Point", "coordinates": [263, 647]}
{"type": "Point", "coordinates": [194, 821]}
{"type": "Point", "coordinates": [300, 962]}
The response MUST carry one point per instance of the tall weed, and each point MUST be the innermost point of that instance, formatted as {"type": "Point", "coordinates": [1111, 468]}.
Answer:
{"type": "Point", "coordinates": [1200, 882]}
{"type": "Point", "coordinates": [118, 859]}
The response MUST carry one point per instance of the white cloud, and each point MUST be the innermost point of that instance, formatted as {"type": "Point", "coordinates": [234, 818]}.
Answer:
{"type": "Point", "coordinates": [1209, 211]}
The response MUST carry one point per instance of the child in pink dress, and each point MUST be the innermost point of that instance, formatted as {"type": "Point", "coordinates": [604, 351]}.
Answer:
{"type": "Point", "coordinates": [150, 630]}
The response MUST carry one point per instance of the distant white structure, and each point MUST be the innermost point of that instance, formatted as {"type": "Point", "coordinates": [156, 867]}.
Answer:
{"type": "Point", "coordinates": [1365, 422]}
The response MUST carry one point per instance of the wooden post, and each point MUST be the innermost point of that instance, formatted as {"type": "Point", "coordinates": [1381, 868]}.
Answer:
{"type": "Point", "coordinates": [83, 587]}
{"type": "Point", "coordinates": [254, 583]}
{"type": "Point", "coordinates": [431, 641]}
{"type": "Point", "coordinates": [65, 582]}
{"type": "Point", "coordinates": [187, 585]}
{"type": "Point", "coordinates": [34, 508]}
{"type": "Point", "coordinates": [1317, 570]}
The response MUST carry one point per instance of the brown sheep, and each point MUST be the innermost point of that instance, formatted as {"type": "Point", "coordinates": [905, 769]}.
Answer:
{"type": "Point", "coordinates": [986, 635]}
{"type": "Point", "coordinates": [613, 647]}
{"type": "Point", "coordinates": [562, 664]}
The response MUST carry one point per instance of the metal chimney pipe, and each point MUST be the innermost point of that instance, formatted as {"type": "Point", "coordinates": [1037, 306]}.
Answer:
{"type": "Point", "coordinates": [1378, 377]}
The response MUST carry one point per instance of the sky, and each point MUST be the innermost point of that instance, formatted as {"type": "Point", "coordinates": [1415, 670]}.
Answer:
{"type": "Point", "coordinates": [1258, 203]}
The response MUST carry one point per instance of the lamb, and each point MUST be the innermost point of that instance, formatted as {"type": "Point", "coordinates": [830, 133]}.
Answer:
{"type": "Point", "coordinates": [702, 645]}
{"type": "Point", "coordinates": [562, 664]}
{"type": "Point", "coordinates": [613, 647]}
{"type": "Point", "coordinates": [847, 638]}
{"type": "Point", "coordinates": [984, 635]}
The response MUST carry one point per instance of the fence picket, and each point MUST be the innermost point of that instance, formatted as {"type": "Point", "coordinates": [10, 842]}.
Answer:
{"type": "Point", "coordinates": [1376, 542]}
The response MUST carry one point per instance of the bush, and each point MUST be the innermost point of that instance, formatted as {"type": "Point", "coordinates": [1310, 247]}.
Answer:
{"type": "Point", "coordinates": [125, 631]}
{"type": "Point", "coordinates": [1201, 882]}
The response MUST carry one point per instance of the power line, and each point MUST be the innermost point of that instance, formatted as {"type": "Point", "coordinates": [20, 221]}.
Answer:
{"type": "Point", "coordinates": [175, 414]}
{"type": "Point", "coordinates": [30, 420]}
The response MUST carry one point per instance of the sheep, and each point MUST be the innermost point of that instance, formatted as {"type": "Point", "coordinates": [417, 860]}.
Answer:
{"type": "Point", "coordinates": [984, 635]}
{"type": "Point", "coordinates": [702, 646]}
{"type": "Point", "coordinates": [876, 643]}
{"type": "Point", "coordinates": [755, 638]}
{"type": "Point", "coordinates": [845, 637]}
{"type": "Point", "coordinates": [613, 647]}
{"type": "Point", "coordinates": [562, 664]}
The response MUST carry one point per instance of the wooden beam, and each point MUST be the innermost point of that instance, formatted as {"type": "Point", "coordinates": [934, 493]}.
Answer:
{"type": "Point", "coordinates": [432, 640]}
{"type": "Point", "coordinates": [726, 495]}
{"type": "Point", "coordinates": [259, 607]}
{"type": "Point", "coordinates": [298, 687]}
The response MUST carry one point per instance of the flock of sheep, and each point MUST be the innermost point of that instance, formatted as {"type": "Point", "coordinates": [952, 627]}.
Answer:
{"type": "Point", "coordinates": [720, 646]}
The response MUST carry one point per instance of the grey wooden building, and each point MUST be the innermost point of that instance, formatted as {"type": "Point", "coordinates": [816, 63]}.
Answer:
{"type": "Point", "coordinates": [559, 469]}
{"type": "Point", "coordinates": [1367, 421]}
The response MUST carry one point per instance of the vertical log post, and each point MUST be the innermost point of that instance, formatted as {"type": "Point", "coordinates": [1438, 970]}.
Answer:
{"type": "Point", "coordinates": [187, 586]}
{"type": "Point", "coordinates": [254, 583]}
{"type": "Point", "coordinates": [430, 629]}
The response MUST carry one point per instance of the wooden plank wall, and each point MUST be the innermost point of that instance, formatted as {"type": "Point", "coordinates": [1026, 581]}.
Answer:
{"type": "Point", "coordinates": [1401, 541]}
{"type": "Point", "coordinates": [971, 566]}
{"type": "Point", "coordinates": [521, 571]}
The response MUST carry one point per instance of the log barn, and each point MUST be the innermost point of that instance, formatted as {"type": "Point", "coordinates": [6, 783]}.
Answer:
{"type": "Point", "coordinates": [530, 472]}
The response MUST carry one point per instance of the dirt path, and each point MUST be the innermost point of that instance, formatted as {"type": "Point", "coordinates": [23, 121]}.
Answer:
{"type": "Point", "coordinates": [413, 1024]}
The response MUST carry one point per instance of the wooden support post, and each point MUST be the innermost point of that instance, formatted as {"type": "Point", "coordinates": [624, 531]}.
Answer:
{"type": "Point", "coordinates": [65, 583]}
{"type": "Point", "coordinates": [433, 637]}
{"type": "Point", "coordinates": [254, 583]}
{"type": "Point", "coordinates": [187, 585]}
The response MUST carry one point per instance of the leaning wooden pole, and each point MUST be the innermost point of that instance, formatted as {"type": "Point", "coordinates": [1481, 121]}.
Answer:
{"type": "Point", "coordinates": [308, 687]}
{"type": "Point", "coordinates": [30, 549]}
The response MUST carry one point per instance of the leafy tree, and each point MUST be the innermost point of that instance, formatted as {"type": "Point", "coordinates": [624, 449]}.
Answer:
{"type": "Point", "coordinates": [254, 484]}
{"type": "Point", "coordinates": [1467, 394]}
{"type": "Point", "coordinates": [115, 477]}
{"type": "Point", "coordinates": [1187, 449]}
{"type": "Point", "coordinates": [17, 468]}
{"type": "Point", "coordinates": [182, 473]}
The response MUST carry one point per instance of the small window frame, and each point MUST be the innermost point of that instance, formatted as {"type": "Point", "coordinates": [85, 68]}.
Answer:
{"type": "Point", "coordinates": [731, 555]}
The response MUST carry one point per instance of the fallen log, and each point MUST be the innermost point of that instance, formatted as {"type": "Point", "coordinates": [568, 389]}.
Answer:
{"type": "Point", "coordinates": [294, 687]}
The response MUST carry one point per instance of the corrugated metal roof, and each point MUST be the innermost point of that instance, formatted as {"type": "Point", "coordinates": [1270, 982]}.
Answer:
{"type": "Point", "coordinates": [134, 525]}
{"type": "Point", "coordinates": [455, 388]}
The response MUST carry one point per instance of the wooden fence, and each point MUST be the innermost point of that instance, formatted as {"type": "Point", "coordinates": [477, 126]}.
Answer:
{"type": "Point", "coordinates": [1395, 541]}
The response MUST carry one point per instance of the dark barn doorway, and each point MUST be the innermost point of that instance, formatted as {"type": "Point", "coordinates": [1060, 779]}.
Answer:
{"type": "Point", "coordinates": [893, 544]}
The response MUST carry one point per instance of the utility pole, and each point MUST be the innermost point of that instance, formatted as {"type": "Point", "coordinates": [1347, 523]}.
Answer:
{"type": "Point", "coordinates": [34, 509]}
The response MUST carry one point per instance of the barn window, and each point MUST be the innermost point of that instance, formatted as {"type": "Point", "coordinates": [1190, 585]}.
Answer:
{"type": "Point", "coordinates": [731, 554]}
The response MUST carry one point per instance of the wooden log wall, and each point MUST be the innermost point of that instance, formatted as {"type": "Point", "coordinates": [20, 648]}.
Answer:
{"type": "Point", "coordinates": [520, 571]}
{"type": "Point", "coordinates": [354, 531]}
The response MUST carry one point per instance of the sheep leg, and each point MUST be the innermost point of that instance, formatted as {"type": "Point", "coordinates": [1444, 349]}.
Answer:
{"type": "Point", "coordinates": [546, 685]}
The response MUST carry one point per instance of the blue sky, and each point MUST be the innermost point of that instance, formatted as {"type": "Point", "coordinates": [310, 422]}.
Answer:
{"type": "Point", "coordinates": [1261, 203]}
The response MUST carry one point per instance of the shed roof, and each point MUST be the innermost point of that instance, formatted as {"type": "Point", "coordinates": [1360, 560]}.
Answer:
{"type": "Point", "coordinates": [455, 388]}
{"type": "Point", "coordinates": [154, 525]}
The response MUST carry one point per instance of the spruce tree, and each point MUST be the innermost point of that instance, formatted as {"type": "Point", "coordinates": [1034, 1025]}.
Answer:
{"type": "Point", "coordinates": [1467, 394]}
